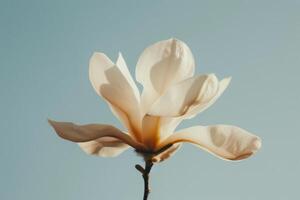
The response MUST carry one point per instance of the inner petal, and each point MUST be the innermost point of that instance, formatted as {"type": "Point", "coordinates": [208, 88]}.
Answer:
{"type": "Point", "coordinates": [177, 100]}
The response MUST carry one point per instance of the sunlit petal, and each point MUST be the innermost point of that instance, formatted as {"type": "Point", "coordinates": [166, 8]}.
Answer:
{"type": "Point", "coordinates": [161, 65]}
{"type": "Point", "coordinates": [178, 99]}
{"type": "Point", "coordinates": [151, 131]}
{"type": "Point", "coordinates": [89, 132]}
{"type": "Point", "coordinates": [104, 147]}
{"type": "Point", "coordinates": [156, 129]}
{"type": "Point", "coordinates": [115, 85]}
{"type": "Point", "coordinates": [200, 107]}
{"type": "Point", "coordinates": [121, 64]}
{"type": "Point", "coordinates": [226, 142]}
{"type": "Point", "coordinates": [168, 124]}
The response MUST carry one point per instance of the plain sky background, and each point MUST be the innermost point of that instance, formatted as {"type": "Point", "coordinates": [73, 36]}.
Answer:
{"type": "Point", "coordinates": [45, 47]}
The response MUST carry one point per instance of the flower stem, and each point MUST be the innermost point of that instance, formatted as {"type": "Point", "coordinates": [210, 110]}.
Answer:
{"type": "Point", "coordinates": [146, 174]}
{"type": "Point", "coordinates": [149, 158]}
{"type": "Point", "coordinates": [148, 166]}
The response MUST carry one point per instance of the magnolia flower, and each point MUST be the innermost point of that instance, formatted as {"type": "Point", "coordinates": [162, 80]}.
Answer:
{"type": "Point", "coordinates": [171, 93]}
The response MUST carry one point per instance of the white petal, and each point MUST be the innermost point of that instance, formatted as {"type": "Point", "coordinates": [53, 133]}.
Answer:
{"type": "Point", "coordinates": [99, 63]}
{"type": "Point", "coordinates": [89, 132]}
{"type": "Point", "coordinates": [159, 128]}
{"type": "Point", "coordinates": [121, 64]}
{"type": "Point", "coordinates": [156, 129]}
{"type": "Point", "coordinates": [168, 126]}
{"type": "Point", "coordinates": [226, 142]}
{"type": "Point", "coordinates": [200, 107]}
{"type": "Point", "coordinates": [114, 83]}
{"type": "Point", "coordinates": [167, 153]}
{"type": "Point", "coordinates": [104, 147]}
{"type": "Point", "coordinates": [177, 100]}
{"type": "Point", "coordinates": [161, 65]}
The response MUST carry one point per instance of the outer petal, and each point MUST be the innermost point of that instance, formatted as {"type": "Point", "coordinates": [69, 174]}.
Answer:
{"type": "Point", "coordinates": [99, 64]}
{"type": "Point", "coordinates": [121, 64]}
{"type": "Point", "coordinates": [177, 100]}
{"type": "Point", "coordinates": [161, 65]}
{"type": "Point", "coordinates": [226, 142]}
{"type": "Point", "coordinates": [114, 83]}
{"type": "Point", "coordinates": [89, 132]}
{"type": "Point", "coordinates": [104, 147]}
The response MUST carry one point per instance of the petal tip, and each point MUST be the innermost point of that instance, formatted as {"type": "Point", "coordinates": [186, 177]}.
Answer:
{"type": "Point", "coordinates": [120, 54]}
{"type": "Point", "coordinates": [173, 39]}
{"type": "Point", "coordinates": [95, 53]}
{"type": "Point", "coordinates": [51, 122]}
{"type": "Point", "coordinates": [257, 143]}
{"type": "Point", "coordinates": [96, 56]}
{"type": "Point", "coordinates": [213, 77]}
{"type": "Point", "coordinates": [225, 82]}
{"type": "Point", "coordinates": [54, 125]}
{"type": "Point", "coordinates": [228, 79]}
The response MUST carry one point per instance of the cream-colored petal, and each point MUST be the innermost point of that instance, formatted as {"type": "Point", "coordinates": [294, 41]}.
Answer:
{"type": "Point", "coordinates": [104, 147]}
{"type": "Point", "coordinates": [156, 129]}
{"type": "Point", "coordinates": [226, 142]}
{"type": "Point", "coordinates": [168, 125]}
{"type": "Point", "coordinates": [151, 131]}
{"type": "Point", "coordinates": [115, 85]}
{"type": "Point", "coordinates": [177, 100]}
{"type": "Point", "coordinates": [121, 64]}
{"type": "Point", "coordinates": [167, 153]}
{"type": "Point", "coordinates": [182, 99]}
{"type": "Point", "coordinates": [89, 132]}
{"type": "Point", "coordinates": [99, 64]}
{"type": "Point", "coordinates": [161, 65]}
{"type": "Point", "coordinates": [200, 107]}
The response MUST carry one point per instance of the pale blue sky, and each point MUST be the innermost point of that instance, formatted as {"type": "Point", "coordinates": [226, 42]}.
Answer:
{"type": "Point", "coordinates": [45, 48]}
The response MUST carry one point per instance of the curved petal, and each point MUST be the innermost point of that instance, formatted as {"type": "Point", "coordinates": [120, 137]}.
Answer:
{"type": "Point", "coordinates": [104, 147]}
{"type": "Point", "coordinates": [89, 132]}
{"type": "Point", "coordinates": [114, 83]}
{"type": "Point", "coordinates": [161, 65]}
{"type": "Point", "coordinates": [167, 125]}
{"type": "Point", "coordinates": [156, 129]}
{"type": "Point", "coordinates": [226, 142]}
{"type": "Point", "coordinates": [167, 153]}
{"type": "Point", "coordinates": [177, 100]}
{"type": "Point", "coordinates": [121, 64]}
{"type": "Point", "coordinates": [151, 131]}
{"type": "Point", "coordinates": [200, 107]}
{"type": "Point", "coordinates": [99, 63]}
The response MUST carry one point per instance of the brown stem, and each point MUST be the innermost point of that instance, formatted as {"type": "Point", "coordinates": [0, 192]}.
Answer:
{"type": "Point", "coordinates": [148, 166]}
{"type": "Point", "coordinates": [145, 173]}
